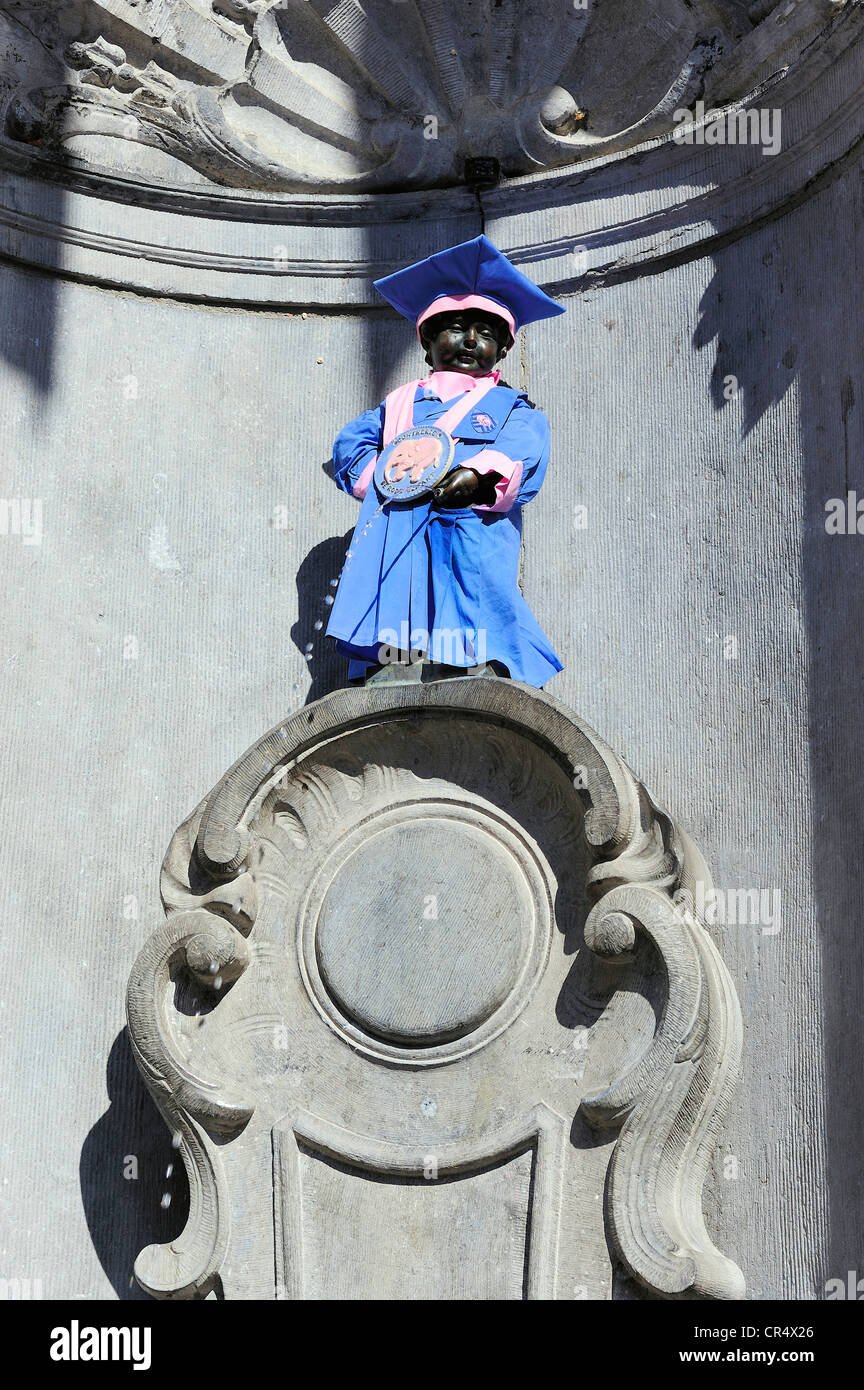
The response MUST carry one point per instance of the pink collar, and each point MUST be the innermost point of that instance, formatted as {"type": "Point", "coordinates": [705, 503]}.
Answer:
{"type": "Point", "coordinates": [448, 385]}
{"type": "Point", "coordinates": [399, 415]}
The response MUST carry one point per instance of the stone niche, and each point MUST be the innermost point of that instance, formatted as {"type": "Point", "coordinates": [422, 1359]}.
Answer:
{"type": "Point", "coordinates": [332, 94]}
{"type": "Point", "coordinates": [432, 1015]}
{"type": "Point", "coordinates": [290, 152]}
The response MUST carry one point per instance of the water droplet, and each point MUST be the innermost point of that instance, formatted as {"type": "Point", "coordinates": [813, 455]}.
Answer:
{"type": "Point", "coordinates": [308, 646]}
{"type": "Point", "coordinates": [176, 1139]}
{"type": "Point", "coordinates": [329, 601]}
{"type": "Point", "coordinates": [217, 983]}
{"type": "Point", "coordinates": [166, 1199]}
{"type": "Point", "coordinates": [318, 624]}
{"type": "Point", "coordinates": [169, 1170]}
{"type": "Point", "coordinates": [308, 656]}
{"type": "Point", "coordinates": [213, 967]}
{"type": "Point", "coordinates": [334, 583]}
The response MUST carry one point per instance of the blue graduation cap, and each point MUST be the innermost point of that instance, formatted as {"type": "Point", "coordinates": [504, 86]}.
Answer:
{"type": "Point", "coordinates": [472, 275]}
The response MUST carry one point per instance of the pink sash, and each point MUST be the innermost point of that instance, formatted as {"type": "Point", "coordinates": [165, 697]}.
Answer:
{"type": "Point", "coordinates": [399, 412]}
{"type": "Point", "coordinates": [399, 416]}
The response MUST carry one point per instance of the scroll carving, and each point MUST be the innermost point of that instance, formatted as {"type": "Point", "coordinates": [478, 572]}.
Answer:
{"type": "Point", "coordinates": [286, 95]}
{"type": "Point", "coordinates": [303, 786]}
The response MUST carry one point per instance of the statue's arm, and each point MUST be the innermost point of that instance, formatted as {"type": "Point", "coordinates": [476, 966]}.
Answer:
{"type": "Point", "coordinates": [356, 450]}
{"type": "Point", "coordinates": [519, 457]}
{"type": "Point", "coordinates": [467, 486]}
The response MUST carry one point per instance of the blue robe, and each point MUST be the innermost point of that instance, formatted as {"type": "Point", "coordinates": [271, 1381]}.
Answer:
{"type": "Point", "coordinates": [414, 570]}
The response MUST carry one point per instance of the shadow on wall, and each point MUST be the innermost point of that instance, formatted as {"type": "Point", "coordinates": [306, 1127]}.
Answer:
{"type": "Point", "coordinates": [796, 321]}
{"type": "Point", "coordinates": [782, 310]}
{"type": "Point", "coordinates": [323, 564]}
{"type": "Point", "coordinates": [28, 325]}
{"type": "Point", "coordinates": [125, 1178]}
{"type": "Point", "coordinates": [831, 386]}
{"type": "Point", "coordinates": [742, 316]}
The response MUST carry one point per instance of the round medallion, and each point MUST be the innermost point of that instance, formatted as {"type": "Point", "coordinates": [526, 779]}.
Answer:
{"type": "Point", "coordinates": [425, 931]}
{"type": "Point", "coordinates": [421, 932]}
{"type": "Point", "coordinates": [413, 463]}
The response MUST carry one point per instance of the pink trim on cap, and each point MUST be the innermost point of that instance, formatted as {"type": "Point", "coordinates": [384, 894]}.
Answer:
{"type": "Point", "coordinates": [446, 302]}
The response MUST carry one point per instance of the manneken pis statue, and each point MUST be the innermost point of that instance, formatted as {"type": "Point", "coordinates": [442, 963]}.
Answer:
{"type": "Point", "coordinates": [443, 468]}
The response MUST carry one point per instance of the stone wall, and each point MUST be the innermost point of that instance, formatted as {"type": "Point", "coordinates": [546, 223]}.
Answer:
{"type": "Point", "coordinates": [702, 412]}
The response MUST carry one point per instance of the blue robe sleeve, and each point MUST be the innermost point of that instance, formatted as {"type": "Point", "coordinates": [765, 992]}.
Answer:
{"type": "Point", "coordinates": [525, 439]}
{"type": "Point", "coordinates": [356, 445]}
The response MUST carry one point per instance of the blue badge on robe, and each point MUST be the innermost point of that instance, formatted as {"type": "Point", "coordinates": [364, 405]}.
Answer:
{"type": "Point", "coordinates": [483, 422]}
{"type": "Point", "coordinates": [489, 417]}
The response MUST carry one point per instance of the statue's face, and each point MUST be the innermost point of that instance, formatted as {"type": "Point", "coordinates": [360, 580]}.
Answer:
{"type": "Point", "coordinates": [465, 341]}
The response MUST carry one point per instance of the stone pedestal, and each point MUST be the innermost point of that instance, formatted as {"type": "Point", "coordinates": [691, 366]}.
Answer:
{"type": "Point", "coordinates": [432, 1014]}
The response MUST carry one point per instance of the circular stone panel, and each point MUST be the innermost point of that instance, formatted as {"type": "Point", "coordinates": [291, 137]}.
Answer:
{"type": "Point", "coordinates": [424, 930]}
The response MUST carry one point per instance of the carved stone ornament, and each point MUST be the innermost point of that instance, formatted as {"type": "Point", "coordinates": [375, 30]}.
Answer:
{"type": "Point", "coordinates": [395, 1066]}
{"type": "Point", "coordinates": [378, 94]}
{"type": "Point", "coordinates": [230, 155]}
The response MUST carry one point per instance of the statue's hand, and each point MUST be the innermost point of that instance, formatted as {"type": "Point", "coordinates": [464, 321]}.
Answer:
{"type": "Point", "coordinates": [463, 486]}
